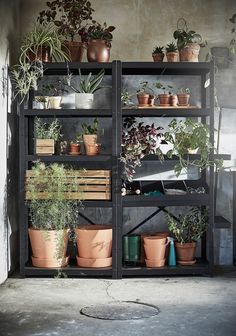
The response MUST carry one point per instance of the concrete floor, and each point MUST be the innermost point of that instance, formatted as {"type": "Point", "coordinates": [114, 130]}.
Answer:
{"type": "Point", "coordinates": [195, 306]}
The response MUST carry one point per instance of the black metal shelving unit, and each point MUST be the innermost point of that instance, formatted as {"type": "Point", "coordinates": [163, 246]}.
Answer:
{"type": "Point", "coordinates": [117, 203]}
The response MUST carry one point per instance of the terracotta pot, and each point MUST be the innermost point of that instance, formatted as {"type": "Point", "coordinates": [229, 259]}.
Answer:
{"type": "Point", "coordinates": [55, 102]}
{"type": "Point", "coordinates": [155, 263]}
{"type": "Point", "coordinates": [155, 247]}
{"type": "Point", "coordinates": [164, 99]}
{"type": "Point", "coordinates": [45, 247]}
{"type": "Point", "coordinates": [183, 99]}
{"type": "Point", "coordinates": [173, 100]}
{"type": "Point", "coordinates": [172, 56]}
{"type": "Point", "coordinates": [94, 241]}
{"type": "Point", "coordinates": [98, 51]}
{"type": "Point", "coordinates": [41, 54]}
{"type": "Point", "coordinates": [151, 100]}
{"type": "Point", "coordinates": [143, 99]}
{"type": "Point", "coordinates": [74, 149]}
{"type": "Point", "coordinates": [89, 139]}
{"type": "Point", "coordinates": [93, 149]}
{"type": "Point", "coordinates": [189, 53]}
{"type": "Point", "coordinates": [186, 252]}
{"type": "Point", "coordinates": [74, 50]}
{"type": "Point", "coordinates": [92, 262]}
{"type": "Point", "coordinates": [158, 57]}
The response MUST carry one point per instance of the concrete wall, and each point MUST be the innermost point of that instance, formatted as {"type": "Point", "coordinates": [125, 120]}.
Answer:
{"type": "Point", "coordinates": [9, 18]}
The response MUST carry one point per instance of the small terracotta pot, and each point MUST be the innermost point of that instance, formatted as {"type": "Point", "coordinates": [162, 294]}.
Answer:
{"type": "Point", "coordinates": [183, 99]}
{"type": "Point", "coordinates": [172, 56]}
{"type": "Point", "coordinates": [98, 51]}
{"type": "Point", "coordinates": [93, 149]}
{"type": "Point", "coordinates": [45, 247]}
{"type": "Point", "coordinates": [164, 99]}
{"type": "Point", "coordinates": [143, 99]}
{"type": "Point", "coordinates": [158, 57]}
{"type": "Point", "coordinates": [151, 100]}
{"type": "Point", "coordinates": [94, 241]}
{"type": "Point", "coordinates": [92, 262]}
{"type": "Point", "coordinates": [173, 100]}
{"type": "Point", "coordinates": [74, 50]}
{"type": "Point", "coordinates": [155, 247]}
{"type": "Point", "coordinates": [189, 53]}
{"type": "Point", "coordinates": [74, 149]}
{"type": "Point", "coordinates": [41, 54]}
{"type": "Point", "coordinates": [155, 263]}
{"type": "Point", "coordinates": [186, 252]}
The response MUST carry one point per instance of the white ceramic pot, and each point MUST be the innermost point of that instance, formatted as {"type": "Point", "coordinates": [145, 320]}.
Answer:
{"type": "Point", "coordinates": [55, 102]}
{"type": "Point", "coordinates": [84, 100]}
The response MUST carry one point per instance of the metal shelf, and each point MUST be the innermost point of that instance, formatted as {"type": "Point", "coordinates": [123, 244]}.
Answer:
{"type": "Point", "coordinates": [165, 112]}
{"type": "Point", "coordinates": [67, 113]}
{"type": "Point", "coordinates": [61, 68]}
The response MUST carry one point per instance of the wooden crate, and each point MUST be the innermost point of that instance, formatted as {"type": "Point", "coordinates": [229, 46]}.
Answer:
{"type": "Point", "coordinates": [87, 185]}
{"type": "Point", "coordinates": [45, 146]}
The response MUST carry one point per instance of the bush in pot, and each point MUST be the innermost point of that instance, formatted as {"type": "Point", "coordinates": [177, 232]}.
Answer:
{"type": "Point", "coordinates": [158, 54]}
{"type": "Point", "coordinates": [145, 98]}
{"type": "Point", "coordinates": [189, 137]}
{"type": "Point", "coordinates": [84, 92]}
{"type": "Point", "coordinates": [46, 135]}
{"type": "Point", "coordinates": [187, 230]}
{"type": "Point", "coordinates": [69, 16]}
{"type": "Point", "coordinates": [172, 52]}
{"type": "Point", "coordinates": [164, 98]}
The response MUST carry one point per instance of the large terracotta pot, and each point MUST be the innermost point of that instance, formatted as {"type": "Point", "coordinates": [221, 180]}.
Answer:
{"type": "Point", "coordinates": [155, 247]}
{"type": "Point", "coordinates": [89, 139]}
{"type": "Point", "coordinates": [186, 253]}
{"type": "Point", "coordinates": [189, 53]}
{"type": "Point", "coordinates": [172, 56]}
{"type": "Point", "coordinates": [143, 99]}
{"type": "Point", "coordinates": [93, 149]}
{"type": "Point", "coordinates": [74, 50]}
{"type": "Point", "coordinates": [41, 54]}
{"type": "Point", "coordinates": [94, 241]}
{"type": "Point", "coordinates": [98, 51]}
{"type": "Point", "coordinates": [158, 57]}
{"type": "Point", "coordinates": [45, 246]}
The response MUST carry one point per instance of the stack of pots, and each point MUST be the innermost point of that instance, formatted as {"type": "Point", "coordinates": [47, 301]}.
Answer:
{"type": "Point", "coordinates": [155, 250]}
{"type": "Point", "coordinates": [94, 243]}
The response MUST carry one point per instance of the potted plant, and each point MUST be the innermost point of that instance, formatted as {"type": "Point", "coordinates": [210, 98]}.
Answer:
{"type": "Point", "coordinates": [187, 230]}
{"type": "Point", "coordinates": [43, 44]}
{"type": "Point", "coordinates": [46, 134]}
{"type": "Point", "coordinates": [69, 16]}
{"type": "Point", "coordinates": [164, 98]}
{"type": "Point", "coordinates": [98, 37]}
{"type": "Point", "coordinates": [54, 93]}
{"type": "Point", "coordinates": [90, 136]}
{"type": "Point", "coordinates": [84, 91]}
{"type": "Point", "coordinates": [188, 42]}
{"type": "Point", "coordinates": [158, 54]}
{"type": "Point", "coordinates": [189, 137]}
{"type": "Point", "coordinates": [172, 52]}
{"type": "Point", "coordinates": [126, 97]}
{"type": "Point", "coordinates": [51, 217]}
{"type": "Point", "coordinates": [183, 96]}
{"type": "Point", "coordinates": [143, 95]}
{"type": "Point", "coordinates": [75, 145]}
{"type": "Point", "coordinates": [138, 140]}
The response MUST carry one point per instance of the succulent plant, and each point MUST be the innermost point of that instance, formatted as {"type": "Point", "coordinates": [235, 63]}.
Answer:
{"type": "Point", "coordinates": [158, 50]}
{"type": "Point", "coordinates": [171, 47]}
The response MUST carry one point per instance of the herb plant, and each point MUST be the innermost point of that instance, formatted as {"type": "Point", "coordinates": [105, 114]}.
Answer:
{"type": "Point", "coordinates": [144, 88]}
{"type": "Point", "coordinates": [45, 130]}
{"type": "Point", "coordinates": [166, 88]}
{"type": "Point", "coordinates": [89, 84]}
{"type": "Point", "coordinates": [126, 97]}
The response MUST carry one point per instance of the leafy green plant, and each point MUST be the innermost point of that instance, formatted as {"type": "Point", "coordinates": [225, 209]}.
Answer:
{"type": "Point", "coordinates": [67, 15]}
{"type": "Point", "coordinates": [126, 97]}
{"type": "Point", "coordinates": [97, 31]}
{"type": "Point", "coordinates": [144, 88]}
{"type": "Point", "coordinates": [171, 47]}
{"type": "Point", "coordinates": [184, 35]}
{"type": "Point", "coordinates": [53, 89]}
{"type": "Point", "coordinates": [89, 84]}
{"type": "Point", "coordinates": [189, 135]}
{"type": "Point", "coordinates": [138, 140]}
{"type": "Point", "coordinates": [158, 50]}
{"type": "Point", "coordinates": [90, 129]}
{"type": "Point", "coordinates": [164, 89]}
{"type": "Point", "coordinates": [189, 227]}
{"type": "Point", "coordinates": [43, 130]}
{"type": "Point", "coordinates": [184, 90]}
{"type": "Point", "coordinates": [43, 35]}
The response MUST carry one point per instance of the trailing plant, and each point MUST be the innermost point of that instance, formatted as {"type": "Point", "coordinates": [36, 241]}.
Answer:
{"type": "Point", "coordinates": [158, 50]}
{"type": "Point", "coordinates": [189, 135]}
{"type": "Point", "coordinates": [166, 88]}
{"type": "Point", "coordinates": [97, 31]}
{"type": "Point", "coordinates": [138, 141]}
{"type": "Point", "coordinates": [126, 97]}
{"type": "Point", "coordinates": [89, 84]}
{"type": "Point", "coordinates": [171, 47]}
{"type": "Point", "coordinates": [43, 35]}
{"type": "Point", "coordinates": [67, 15]}
{"type": "Point", "coordinates": [90, 129]}
{"type": "Point", "coordinates": [43, 130]}
{"type": "Point", "coordinates": [188, 227]}
{"type": "Point", "coordinates": [144, 88]}
{"type": "Point", "coordinates": [184, 36]}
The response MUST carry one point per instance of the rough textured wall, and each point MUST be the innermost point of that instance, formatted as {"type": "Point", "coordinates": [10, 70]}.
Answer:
{"type": "Point", "coordinates": [9, 14]}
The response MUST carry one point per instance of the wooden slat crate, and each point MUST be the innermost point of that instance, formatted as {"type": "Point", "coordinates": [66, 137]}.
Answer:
{"type": "Point", "coordinates": [45, 147]}
{"type": "Point", "coordinates": [87, 185]}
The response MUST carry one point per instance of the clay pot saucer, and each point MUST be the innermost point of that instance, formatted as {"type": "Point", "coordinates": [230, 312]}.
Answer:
{"type": "Point", "coordinates": [93, 262]}
{"type": "Point", "coordinates": [186, 263]}
{"type": "Point", "coordinates": [155, 262]}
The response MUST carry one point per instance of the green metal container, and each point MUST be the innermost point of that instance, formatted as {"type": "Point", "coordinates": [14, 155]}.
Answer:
{"type": "Point", "coordinates": [131, 248]}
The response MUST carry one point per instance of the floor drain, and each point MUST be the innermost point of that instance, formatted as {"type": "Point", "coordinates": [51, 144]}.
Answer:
{"type": "Point", "coordinates": [127, 310]}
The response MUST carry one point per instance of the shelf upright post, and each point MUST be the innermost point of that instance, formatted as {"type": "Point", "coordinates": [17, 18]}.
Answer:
{"type": "Point", "coordinates": [116, 171]}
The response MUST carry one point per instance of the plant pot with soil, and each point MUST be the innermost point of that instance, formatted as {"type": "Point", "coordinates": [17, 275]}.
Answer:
{"type": "Point", "coordinates": [145, 95]}
{"type": "Point", "coordinates": [46, 135]}
{"type": "Point", "coordinates": [90, 136]}
{"type": "Point", "coordinates": [183, 97]}
{"type": "Point", "coordinates": [172, 54]}
{"type": "Point", "coordinates": [158, 54]}
{"type": "Point", "coordinates": [187, 231]}
{"type": "Point", "coordinates": [84, 91]}
{"type": "Point", "coordinates": [74, 148]}
{"type": "Point", "coordinates": [164, 97]}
